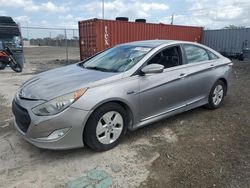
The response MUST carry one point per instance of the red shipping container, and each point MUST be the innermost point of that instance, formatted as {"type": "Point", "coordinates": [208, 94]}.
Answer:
{"type": "Point", "coordinates": [97, 34]}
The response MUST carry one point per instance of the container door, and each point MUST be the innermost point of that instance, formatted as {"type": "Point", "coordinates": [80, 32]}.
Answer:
{"type": "Point", "coordinates": [165, 92]}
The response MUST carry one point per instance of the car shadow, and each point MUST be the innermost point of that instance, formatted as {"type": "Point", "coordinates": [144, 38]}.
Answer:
{"type": "Point", "coordinates": [128, 139]}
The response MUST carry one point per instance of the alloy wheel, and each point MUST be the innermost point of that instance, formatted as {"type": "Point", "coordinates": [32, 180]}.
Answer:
{"type": "Point", "coordinates": [218, 94]}
{"type": "Point", "coordinates": [109, 127]}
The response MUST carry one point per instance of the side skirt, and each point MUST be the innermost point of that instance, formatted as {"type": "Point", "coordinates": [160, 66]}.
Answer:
{"type": "Point", "coordinates": [194, 104]}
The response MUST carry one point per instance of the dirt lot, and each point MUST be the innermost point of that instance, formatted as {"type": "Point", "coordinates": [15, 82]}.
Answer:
{"type": "Point", "coordinates": [199, 148]}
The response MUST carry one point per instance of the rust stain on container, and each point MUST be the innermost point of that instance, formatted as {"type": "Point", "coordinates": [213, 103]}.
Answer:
{"type": "Point", "coordinates": [97, 34]}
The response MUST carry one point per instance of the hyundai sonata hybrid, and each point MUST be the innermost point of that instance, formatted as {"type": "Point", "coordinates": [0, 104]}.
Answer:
{"type": "Point", "coordinates": [94, 102]}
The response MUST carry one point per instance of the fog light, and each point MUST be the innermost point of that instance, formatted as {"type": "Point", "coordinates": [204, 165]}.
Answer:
{"type": "Point", "coordinates": [56, 134]}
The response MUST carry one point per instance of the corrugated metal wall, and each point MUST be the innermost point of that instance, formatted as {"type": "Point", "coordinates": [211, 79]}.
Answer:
{"type": "Point", "coordinates": [227, 41]}
{"type": "Point", "coordinates": [96, 35]}
{"type": "Point", "coordinates": [87, 38]}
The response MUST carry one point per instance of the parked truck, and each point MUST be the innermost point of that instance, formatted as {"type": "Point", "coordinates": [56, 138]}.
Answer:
{"type": "Point", "coordinates": [11, 39]}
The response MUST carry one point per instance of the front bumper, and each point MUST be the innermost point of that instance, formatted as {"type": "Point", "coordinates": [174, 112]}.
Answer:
{"type": "Point", "coordinates": [42, 127]}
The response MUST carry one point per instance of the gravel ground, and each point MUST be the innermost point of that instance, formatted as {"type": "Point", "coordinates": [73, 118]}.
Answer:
{"type": "Point", "coordinates": [213, 148]}
{"type": "Point", "coordinates": [199, 148]}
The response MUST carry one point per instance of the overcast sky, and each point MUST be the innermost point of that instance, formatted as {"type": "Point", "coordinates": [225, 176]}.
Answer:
{"type": "Point", "coordinates": [65, 13]}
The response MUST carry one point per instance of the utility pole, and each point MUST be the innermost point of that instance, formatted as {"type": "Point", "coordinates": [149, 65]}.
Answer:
{"type": "Point", "coordinates": [172, 19]}
{"type": "Point", "coordinates": [102, 9]}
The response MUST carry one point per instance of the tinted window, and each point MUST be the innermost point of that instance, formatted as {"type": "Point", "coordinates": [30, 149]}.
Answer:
{"type": "Point", "coordinates": [195, 53]}
{"type": "Point", "coordinates": [13, 43]}
{"type": "Point", "coordinates": [169, 57]}
{"type": "Point", "coordinates": [212, 56]}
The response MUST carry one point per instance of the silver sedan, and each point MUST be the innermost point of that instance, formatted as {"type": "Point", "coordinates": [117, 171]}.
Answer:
{"type": "Point", "coordinates": [96, 101]}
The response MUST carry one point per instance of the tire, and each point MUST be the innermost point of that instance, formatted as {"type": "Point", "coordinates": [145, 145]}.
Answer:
{"type": "Point", "coordinates": [16, 67]}
{"type": "Point", "coordinates": [141, 20]}
{"type": "Point", "coordinates": [102, 130]}
{"type": "Point", "coordinates": [218, 92]}
{"type": "Point", "coordinates": [2, 65]}
{"type": "Point", "coordinates": [122, 19]}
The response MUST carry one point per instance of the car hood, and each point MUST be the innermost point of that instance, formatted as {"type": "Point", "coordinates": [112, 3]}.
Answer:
{"type": "Point", "coordinates": [60, 81]}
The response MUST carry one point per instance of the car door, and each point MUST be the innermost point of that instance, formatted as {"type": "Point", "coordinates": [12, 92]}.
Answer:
{"type": "Point", "coordinates": [161, 93]}
{"type": "Point", "coordinates": [201, 64]}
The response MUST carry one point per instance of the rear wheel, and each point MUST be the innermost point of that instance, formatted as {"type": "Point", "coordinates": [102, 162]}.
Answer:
{"type": "Point", "coordinates": [105, 127]}
{"type": "Point", "coordinates": [2, 65]}
{"type": "Point", "coordinates": [217, 94]}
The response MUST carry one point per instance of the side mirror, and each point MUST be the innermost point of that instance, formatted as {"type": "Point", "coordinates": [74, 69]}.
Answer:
{"type": "Point", "coordinates": [152, 69]}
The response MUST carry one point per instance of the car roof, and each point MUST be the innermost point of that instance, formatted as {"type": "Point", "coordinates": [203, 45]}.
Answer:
{"type": "Point", "coordinates": [156, 43]}
{"type": "Point", "coordinates": [150, 43]}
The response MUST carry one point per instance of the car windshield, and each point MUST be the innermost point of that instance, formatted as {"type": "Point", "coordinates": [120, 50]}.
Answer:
{"type": "Point", "coordinates": [117, 59]}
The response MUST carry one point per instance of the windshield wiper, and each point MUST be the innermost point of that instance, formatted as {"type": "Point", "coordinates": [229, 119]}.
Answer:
{"type": "Point", "coordinates": [99, 68]}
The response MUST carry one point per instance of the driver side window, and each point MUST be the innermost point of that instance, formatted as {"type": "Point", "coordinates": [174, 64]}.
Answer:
{"type": "Point", "coordinates": [169, 57]}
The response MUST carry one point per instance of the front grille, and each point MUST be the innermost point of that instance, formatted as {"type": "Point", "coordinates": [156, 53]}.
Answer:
{"type": "Point", "coordinates": [22, 116]}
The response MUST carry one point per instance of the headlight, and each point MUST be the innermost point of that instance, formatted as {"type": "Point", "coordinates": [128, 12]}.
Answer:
{"type": "Point", "coordinates": [58, 104]}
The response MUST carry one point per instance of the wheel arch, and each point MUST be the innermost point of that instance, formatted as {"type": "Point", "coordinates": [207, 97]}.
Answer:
{"type": "Point", "coordinates": [225, 82]}
{"type": "Point", "coordinates": [121, 102]}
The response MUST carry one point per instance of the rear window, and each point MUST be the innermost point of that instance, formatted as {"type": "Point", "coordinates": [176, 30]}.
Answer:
{"type": "Point", "coordinates": [195, 54]}
{"type": "Point", "coordinates": [212, 56]}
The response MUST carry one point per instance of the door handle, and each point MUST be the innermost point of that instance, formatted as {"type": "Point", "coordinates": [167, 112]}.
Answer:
{"type": "Point", "coordinates": [212, 66]}
{"type": "Point", "coordinates": [130, 92]}
{"type": "Point", "coordinates": [183, 75]}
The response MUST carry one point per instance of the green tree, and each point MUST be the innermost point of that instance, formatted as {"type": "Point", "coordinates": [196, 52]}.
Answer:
{"type": "Point", "coordinates": [234, 27]}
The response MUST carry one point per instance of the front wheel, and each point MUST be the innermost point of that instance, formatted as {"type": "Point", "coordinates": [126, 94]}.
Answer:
{"type": "Point", "coordinates": [15, 66]}
{"type": "Point", "coordinates": [217, 94]}
{"type": "Point", "coordinates": [105, 127]}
